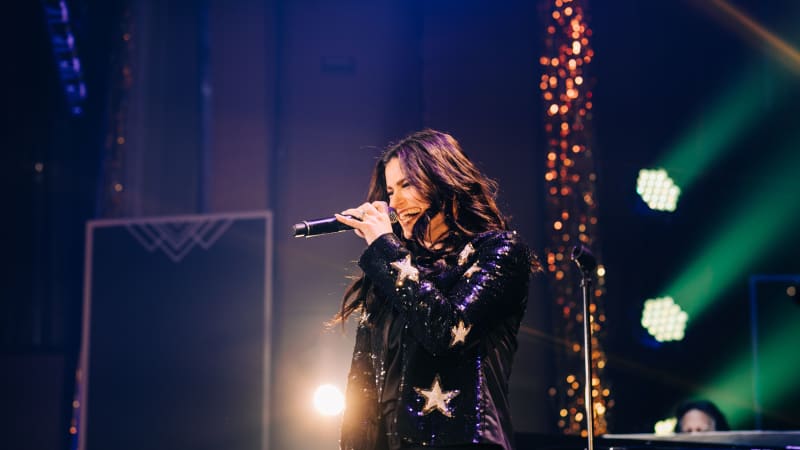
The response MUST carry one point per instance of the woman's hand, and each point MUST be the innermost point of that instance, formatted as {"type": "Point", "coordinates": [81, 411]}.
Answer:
{"type": "Point", "coordinates": [370, 220]}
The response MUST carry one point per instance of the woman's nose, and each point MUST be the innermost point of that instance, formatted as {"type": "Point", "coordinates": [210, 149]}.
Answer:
{"type": "Point", "coordinates": [394, 200]}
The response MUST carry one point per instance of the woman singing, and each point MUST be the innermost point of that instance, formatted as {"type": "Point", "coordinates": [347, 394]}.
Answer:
{"type": "Point", "coordinates": [441, 298]}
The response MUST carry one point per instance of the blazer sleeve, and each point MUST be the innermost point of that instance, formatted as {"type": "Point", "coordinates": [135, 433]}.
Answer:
{"type": "Point", "coordinates": [493, 285]}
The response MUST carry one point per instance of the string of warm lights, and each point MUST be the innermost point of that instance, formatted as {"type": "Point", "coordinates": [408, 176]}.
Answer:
{"type": "Point", "coordinates": [572, 209]}
{"type": "Point", "coordinates": [112, 189]}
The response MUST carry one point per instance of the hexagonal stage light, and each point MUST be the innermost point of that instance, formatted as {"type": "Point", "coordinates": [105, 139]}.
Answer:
{"type": "Point", "coordinates": [657, 189]}
{"type": "Point", "coordinates": [664, 319]}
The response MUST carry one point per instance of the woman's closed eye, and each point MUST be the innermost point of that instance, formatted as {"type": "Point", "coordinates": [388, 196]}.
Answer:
{"type": "Point", "coordinates": [402, 186]}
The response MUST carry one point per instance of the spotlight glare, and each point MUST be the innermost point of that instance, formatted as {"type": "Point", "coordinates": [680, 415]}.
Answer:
{"type": "Point", "coordinates": [664, 319]}
{"type": "Point", "coordinates": [666, 427]}
{"type": "Point", "coordinates": [328, 400]}
{"type": "Point", "coordinates": [657, 189]}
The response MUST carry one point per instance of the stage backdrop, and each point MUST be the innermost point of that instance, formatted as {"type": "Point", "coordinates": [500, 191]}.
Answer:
{"type": "Point", "coordinates": [775, 322]}
{"type": "Point", "coordinates": [176, 333]}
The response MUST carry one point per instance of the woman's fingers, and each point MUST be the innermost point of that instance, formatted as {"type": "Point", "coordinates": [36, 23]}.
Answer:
{"type": "Point", "coordinates": [353, 214]}
{"type": "Point", "coordinates": [370, 220]}
{"type": "Point", "coordinates": [353, 217]}
{"type": "Point", "coordinates": [381, 207]}
{"type": "Point", "coordinates": [367, 210]}
{"type": "Point", "coordinates": [347, 218]}
{"type": "Point", "coordinates": [355, 223]}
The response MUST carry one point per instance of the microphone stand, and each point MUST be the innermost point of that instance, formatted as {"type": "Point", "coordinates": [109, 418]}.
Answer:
{"type": "Point", "coordinates": [587, 264]}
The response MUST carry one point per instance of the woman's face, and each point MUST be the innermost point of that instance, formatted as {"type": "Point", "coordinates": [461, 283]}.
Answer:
{"type": "Point", "coordinates": [409, 204]}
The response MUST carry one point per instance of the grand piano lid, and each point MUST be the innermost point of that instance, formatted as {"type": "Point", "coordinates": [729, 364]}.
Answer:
{"type": "Point", "coordinates": [788, 440]}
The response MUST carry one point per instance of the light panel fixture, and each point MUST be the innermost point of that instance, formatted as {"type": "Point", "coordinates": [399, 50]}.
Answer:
{"type": "Point", "coordinates": [664, 319]}
{"type": "Point", "coordinates": [658, 190]}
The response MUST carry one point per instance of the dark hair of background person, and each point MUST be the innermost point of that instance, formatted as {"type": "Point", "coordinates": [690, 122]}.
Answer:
{"type": "Point", "coordinates": [706, 406]}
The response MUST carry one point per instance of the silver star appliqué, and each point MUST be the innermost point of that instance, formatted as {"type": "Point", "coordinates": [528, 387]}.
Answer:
{"type": "Point", "coordinates": [471, 271]}
{"type": "Point", "coordinates": [436, 399]}
{"type": "Point", "coordinates": [405, 271]}
{"type": "Point", "coordinates": [459, 333]}
{"type": "Point", "coordinates": [465, 253]}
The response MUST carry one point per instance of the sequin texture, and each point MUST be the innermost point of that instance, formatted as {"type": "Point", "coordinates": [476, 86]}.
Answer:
{"type": "Point", "coordinates": [459, 330]}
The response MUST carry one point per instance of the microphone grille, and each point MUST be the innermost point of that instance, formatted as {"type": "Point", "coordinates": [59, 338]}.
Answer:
{"type": "Point", "coordinates": [392, 215]}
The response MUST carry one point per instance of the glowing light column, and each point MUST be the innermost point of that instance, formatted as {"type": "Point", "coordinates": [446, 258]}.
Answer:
{"type": "Point", "coordinates": [571, 207]}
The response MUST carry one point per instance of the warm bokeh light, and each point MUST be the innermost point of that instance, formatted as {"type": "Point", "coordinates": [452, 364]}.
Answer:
{"type": "Point", "coordinates": [571, 204]}
{"type": "Point", "coordinates": [328, 400]}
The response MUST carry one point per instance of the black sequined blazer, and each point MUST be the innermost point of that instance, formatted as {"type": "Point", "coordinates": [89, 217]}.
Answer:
{"type": "Point", "coordinates": [458, 343]}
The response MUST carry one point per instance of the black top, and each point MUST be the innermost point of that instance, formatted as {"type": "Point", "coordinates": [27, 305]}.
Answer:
{"type": "Point", "coordinates": [393, 330]}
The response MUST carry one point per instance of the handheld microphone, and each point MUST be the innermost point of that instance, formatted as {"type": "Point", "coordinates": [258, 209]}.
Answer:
{"type": "Point", "coordinates": [327, 225]}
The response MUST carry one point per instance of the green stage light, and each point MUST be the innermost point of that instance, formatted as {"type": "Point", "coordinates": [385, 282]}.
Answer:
{"type": "Point", "coordinates": [732, 113]}
{"type": "Point", "coordinates": [664, 319]}
{"type": "Point", "coordinates": [766, 214]}
{"type": "Point", "coordinates": [657, 189]}
{"type": "Point", "coordinates": [778, 357]}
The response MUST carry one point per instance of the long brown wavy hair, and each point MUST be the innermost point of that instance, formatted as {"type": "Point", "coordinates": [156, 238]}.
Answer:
{"type": "Point", "coordinates": [434, 164]}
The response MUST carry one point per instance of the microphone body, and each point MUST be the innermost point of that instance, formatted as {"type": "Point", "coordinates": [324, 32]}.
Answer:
{"type": "Point", "coordinates": [327, 225]}
{"type": "Point", "coordinates": [319, 227]}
